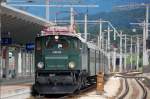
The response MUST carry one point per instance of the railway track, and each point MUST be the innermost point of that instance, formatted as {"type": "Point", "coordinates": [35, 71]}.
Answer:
{"type": "Point", "coordinates": [81, 92]}
{"type": "Point", "coordinates": [126, 92]}
{"type": "Point", "coordinates": [143, 88]}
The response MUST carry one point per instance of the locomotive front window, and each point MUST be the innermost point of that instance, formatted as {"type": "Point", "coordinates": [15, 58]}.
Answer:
{"type": "Point", "coordinates": [57, 44]}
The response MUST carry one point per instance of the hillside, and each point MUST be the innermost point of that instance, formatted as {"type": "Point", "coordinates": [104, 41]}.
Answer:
{"type": "Point", "coordinates": [120, 19]}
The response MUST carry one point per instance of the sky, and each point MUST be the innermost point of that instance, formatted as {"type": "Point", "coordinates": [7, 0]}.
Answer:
{"type": "Point", "coordinates": [104, 6]}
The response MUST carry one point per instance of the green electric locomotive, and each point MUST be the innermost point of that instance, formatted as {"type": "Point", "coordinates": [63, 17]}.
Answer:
{"type": "Point", "coordinates": [64, 63]}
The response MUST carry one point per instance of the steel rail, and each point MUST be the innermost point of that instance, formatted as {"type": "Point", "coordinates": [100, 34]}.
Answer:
{"type": "Point", "coordinates": [126, 91]}
{"type": "Point", "coordinates": [143, 88]}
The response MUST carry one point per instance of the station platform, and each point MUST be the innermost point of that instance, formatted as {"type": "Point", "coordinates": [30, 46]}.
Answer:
{"type": "Point", "coordinates": [13, 88]}
{"type": "Point", "coordinates": [17, 80]}
{"type": "Point", "coordinates": [20, 91]}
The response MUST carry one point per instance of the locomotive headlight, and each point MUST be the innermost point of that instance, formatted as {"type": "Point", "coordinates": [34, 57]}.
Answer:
{"type": "Point", "coordinates": [56, 37]}
{"type": "Point", "coordinates": [40, 65]}
{"type": "Point", "coordinates": [71, 64]}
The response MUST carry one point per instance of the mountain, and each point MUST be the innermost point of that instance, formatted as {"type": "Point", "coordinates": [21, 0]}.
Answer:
{"type": "Point", "coordinates": [120, 19]}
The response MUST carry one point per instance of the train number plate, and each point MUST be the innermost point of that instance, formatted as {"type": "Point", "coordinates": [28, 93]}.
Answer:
{"type": "Point", "coordinates": [51, 75]}
{"type": "Point", "coordinates": [56, 52]}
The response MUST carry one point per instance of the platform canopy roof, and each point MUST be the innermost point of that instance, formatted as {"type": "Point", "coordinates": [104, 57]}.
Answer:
{"type": "Point", "coordinates": [21, 26]}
